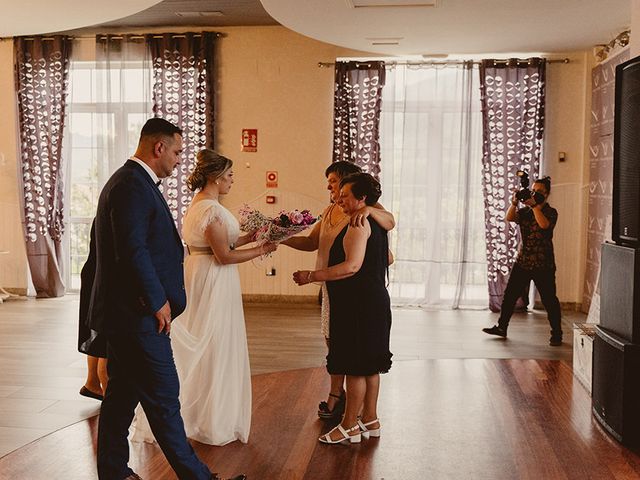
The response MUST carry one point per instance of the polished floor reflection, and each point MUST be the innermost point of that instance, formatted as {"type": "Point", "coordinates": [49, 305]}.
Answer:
{"type": "Point", "coordinates": [442, 419]}
{"type": "Point", "coordinates": [447, 409]}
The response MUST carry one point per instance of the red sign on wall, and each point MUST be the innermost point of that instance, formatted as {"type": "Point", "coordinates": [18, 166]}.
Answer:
{"type": "Point", "coordinates": [272, 179]}
{"type": "Point", "coordinates": [249, 140]}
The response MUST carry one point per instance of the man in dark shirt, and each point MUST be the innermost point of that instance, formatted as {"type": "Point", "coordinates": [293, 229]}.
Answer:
{"type": "Point", "coordinates": [535, 261]}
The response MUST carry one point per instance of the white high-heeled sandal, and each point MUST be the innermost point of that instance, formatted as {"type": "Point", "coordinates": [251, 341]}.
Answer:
{"type": "Point", "coordinates": [367, 432]}
{"type": "Point", "coordinates": [346, 438]}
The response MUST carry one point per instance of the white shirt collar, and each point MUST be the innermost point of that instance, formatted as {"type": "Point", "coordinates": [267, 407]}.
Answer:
{"type": "Point", "coordinates": [147, 168]}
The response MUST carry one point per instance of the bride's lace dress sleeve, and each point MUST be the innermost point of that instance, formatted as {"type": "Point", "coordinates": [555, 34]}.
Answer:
{"type": "Point", "coordinates": [198, 218]}
{"type": "Point", "coordinates": [203, 213]}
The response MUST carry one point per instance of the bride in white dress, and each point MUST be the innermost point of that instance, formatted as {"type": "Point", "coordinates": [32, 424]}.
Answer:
{"type": "Point", "coordinates": [209, 339]}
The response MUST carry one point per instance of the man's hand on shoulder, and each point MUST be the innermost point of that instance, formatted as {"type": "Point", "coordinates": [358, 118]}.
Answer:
{"type": "Point", "coordinates": [359, 217]}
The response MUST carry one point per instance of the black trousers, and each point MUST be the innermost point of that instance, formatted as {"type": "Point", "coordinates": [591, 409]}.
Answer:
{"type": "Point", "coordinates": [545, 282]}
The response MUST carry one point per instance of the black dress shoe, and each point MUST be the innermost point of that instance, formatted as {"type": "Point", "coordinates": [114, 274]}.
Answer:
{"type": "Point", "coordinates": [85, 392]}
{"type": "Point", "coordinates": [555, 341]}
{"type": "Point", "coordinates": [496, 330]}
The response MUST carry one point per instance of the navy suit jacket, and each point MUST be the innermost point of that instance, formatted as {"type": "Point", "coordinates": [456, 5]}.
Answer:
{"type": "Point", "coordinates": [139, 255]}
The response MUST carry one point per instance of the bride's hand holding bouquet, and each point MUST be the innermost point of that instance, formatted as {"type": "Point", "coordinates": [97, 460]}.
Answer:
{"type": "Point", "coordinates": [266, 248]}
{"type": "Point", "coordinates": [275, 230]}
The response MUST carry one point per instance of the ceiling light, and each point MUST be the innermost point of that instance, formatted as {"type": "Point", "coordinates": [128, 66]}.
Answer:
{"type": "Point", "coordinates": [199, 14]}
{"type": "Point", "coordinates": [391, 3]}
{"type": "Point", "coordinates": [384, 40]}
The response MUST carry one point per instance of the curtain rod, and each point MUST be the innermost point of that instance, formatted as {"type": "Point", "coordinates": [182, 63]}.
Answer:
{"type": "Point", "coordinates": [119, 36]}
{"type": "Point", "coordinates": [434, 62]}
{"type": "Point", "coordinates": [175, 35]}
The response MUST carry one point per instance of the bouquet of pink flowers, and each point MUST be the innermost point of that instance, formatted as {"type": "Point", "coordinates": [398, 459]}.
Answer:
{"type": "Point", "coordinates": [274, 230]}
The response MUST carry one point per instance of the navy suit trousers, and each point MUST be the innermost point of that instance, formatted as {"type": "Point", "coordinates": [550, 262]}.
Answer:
{"type": "Point", "coordinates": [142, 370]}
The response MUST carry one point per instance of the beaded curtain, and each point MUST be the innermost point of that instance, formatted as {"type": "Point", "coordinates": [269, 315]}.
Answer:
{"type": "Point", "coordinates": [183, 94]}
{"type": "Point", "coordinates": [41, 77]}
{"type": "Point", "coordinates": [513, 100]}
{"type": "Point", "coordinates": [357, 107]}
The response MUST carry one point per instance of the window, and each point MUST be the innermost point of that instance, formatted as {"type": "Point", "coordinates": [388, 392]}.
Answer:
{"type": "Point", "coordinates": [108, 105]}
{"type": "Point", "coordinates": [431, 160]}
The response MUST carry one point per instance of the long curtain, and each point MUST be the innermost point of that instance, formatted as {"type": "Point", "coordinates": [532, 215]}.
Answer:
{"type": "Point", "coordinates": [183, 93]}
{"type": "Point", "coordinates": [513, 98]}
{"type": "Point", "coordinates": [41, 77]}
{"type": "Point", "coordinates": [123, 96]}
{"type": "Point", "coordinates": [356, 118]}
{"type": "Point", "coordinates": [431, 141]}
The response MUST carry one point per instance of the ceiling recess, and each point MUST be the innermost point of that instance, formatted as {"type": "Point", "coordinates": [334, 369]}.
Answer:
{"type": "Point", "coordinates": [384, 40]}
{"type": "Point", "coordinates": [199, 14]}
{"type": "Point", "coordinates": [391, 3]}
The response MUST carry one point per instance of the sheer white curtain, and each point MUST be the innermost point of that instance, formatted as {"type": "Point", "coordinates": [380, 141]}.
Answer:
{"type": "Point", "coordinates": [124, 85]}
{"type": "Point", "coordinates": [110, 99]}
{"type": "Point", "coordinates": [431, 160]}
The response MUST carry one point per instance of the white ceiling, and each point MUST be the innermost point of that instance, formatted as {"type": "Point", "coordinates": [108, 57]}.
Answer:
{"type": "Point", "coordinates": [212, 13]}
{"type": "Point", "coordinates": [451, 27]}
{"type": "Point", "coordinates": [31, 17]}
{"type": "Point", "coordinates": [456, 26]}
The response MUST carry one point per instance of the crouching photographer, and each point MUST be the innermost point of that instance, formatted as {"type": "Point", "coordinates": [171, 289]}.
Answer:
{"type": "Point", "coordinates": [535, 260]}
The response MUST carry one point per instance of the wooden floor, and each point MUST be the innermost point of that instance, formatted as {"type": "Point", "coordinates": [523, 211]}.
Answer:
{"type": "Point", "coordinates": [449, 408]}
{"type": "Point", "coordinates": [442, 419]}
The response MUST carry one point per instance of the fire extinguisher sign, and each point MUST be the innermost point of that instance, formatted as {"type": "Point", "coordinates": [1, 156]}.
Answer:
{"type": "Point", "coordinates": [249, 140]}
{"type": "Point", "coordinates": [272, 179]}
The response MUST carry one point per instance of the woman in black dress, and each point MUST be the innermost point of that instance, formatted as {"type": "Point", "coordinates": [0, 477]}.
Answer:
{"type": "Point", "coordinates": [360, 311]}
{"type": "Point", "coordinates": [91, 342]}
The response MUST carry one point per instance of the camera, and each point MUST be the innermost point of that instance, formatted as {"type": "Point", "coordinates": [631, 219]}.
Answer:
{"type": "Point", "coordinates": [524, 193]}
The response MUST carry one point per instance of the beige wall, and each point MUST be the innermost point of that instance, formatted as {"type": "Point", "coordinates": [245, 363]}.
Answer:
{"type": "Point", "coordinates": [635, 27]}
{"type": "Point", "coordinates": [568, 101]}
{"type": "Point", "coordinates": [269, 80]}
{"type": "Point", "coordinates": [13, 270]}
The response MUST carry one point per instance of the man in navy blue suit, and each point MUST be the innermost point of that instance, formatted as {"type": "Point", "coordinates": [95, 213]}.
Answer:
{"type": "Point", "coordinates": [138, 290]}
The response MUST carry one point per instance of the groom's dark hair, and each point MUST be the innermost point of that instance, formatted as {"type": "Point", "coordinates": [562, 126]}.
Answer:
{"type": "Point", "coordinates": [159, 127]}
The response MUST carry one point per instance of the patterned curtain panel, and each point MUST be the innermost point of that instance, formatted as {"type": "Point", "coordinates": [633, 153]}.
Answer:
{"type": "Point", "coordinates": [183, 94]}
{"type": "Point", "coordinates": [41, 76]}
{"type": "Point", "coordinates": [512, 96]}
{"type": "Point", "coordinates": [356, 118]}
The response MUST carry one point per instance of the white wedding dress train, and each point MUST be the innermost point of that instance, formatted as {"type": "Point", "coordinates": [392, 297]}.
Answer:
{"type": "Point", "coordinates": [209, 340]}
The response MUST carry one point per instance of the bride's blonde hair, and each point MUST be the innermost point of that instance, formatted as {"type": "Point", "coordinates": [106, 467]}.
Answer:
{"type": "Point", "coordinates": [209, 165]}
